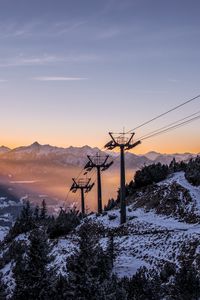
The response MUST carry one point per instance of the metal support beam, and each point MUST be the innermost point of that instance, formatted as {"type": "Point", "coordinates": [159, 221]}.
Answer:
{"type": "Point", "coordinates": [99, 194]}
{"type": "Point", "coordinates": [122, 187]}
{"type": "Point", "coordinates": [82, 201]}
{"type": "Point", "coordinates": [124, 143]}
{"type": "Point", "coordinates": [84, 185]}
{"type": "Point", "coordinates": [99, 162]}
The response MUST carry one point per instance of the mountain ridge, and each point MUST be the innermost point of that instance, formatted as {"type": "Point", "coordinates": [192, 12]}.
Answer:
{"type": "Point", "coordinates": [78, 155]}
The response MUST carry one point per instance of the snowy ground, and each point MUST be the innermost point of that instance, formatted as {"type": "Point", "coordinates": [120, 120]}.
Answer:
{"type": "Point", "coordinates": [179, 177]}
{"type": "Point", "coordinates": [151, 239]}
{"type": "Point", "coordinates": [3, 232]}
{"type": "Point", "coordinates": [61, 251]}
{"type": "Point", "coordinates": [147, 239]}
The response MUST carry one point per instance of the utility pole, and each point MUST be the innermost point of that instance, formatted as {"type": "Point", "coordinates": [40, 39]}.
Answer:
{"type": "Point", "coordinates": [124, 142]}
{"type": "Point", "coordinates": [84, 185]}
{"type": "Point", "coordinates": [100, 163]}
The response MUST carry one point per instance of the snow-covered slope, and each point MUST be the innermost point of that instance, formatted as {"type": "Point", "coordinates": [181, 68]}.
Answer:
{"type": "Point", "coordinates": [3, 232]}
{"type": "Point", "coordinates": [147, 239]}
{"type": "Point", "coordinates": [194, 191]}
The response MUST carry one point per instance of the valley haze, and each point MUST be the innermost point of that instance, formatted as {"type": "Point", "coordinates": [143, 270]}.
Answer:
{"type": "Point", "coordinates": [40, 171]}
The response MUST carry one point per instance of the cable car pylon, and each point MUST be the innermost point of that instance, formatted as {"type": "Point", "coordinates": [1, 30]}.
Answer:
{"type": "Point", "coordinates": [84, 185]}
{"type": "Point", "coordinates": [124, 142]}
{"type": "Point", "coordinates": [100, 163]}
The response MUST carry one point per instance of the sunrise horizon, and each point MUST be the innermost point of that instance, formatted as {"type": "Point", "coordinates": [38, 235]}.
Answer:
{"type": "Point", "coordinates": [70, 73]}
{"type": "Point", "coordinates": [100, 147]}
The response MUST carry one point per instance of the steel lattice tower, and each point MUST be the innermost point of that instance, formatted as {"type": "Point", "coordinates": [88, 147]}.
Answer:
{"type": "Point", "coordinates": [124, 142]}
{"type": "Point", "coordinates": [100, 163]}
{"type": "Point", "coordinates": [85, 186]}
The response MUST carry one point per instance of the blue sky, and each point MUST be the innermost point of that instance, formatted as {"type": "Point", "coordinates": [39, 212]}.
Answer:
{"type": "Point", "coordinates": [70, 71]}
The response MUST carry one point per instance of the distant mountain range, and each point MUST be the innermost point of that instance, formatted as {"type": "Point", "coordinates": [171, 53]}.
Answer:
{"type": "Point", "coordinates": [36, 171]}
{"type": "Point", "coordinates": [77, 156]}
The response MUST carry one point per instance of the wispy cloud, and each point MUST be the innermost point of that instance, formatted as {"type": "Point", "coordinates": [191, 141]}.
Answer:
{"type": "Point", "coordinates": [39, 28]}
{"type": "Point", "coordinates": [109, 33]}
{"type": "Point", "coordinates": [62, 28]}
{"type": "Point", "coordinates": [13, 29]}
{"type": "Point", "coordinates": [59, 78]}
{"type": "Point", "coordinates": [2, 80]}
{"type": "Point", "coordinates": [47, 59]}
{"type": "Point", "coordinates": [173, 80]}
{"type": "Point", "coordinates": [29, 61]}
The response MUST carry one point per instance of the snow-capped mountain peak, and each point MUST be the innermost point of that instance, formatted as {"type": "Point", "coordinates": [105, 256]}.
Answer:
{"type": "Point", "coordinates": [4, 149]}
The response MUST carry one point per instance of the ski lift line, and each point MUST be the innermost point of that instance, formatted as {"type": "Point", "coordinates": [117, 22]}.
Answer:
{"type": "Point", "coordinates": [176, 126]}
{"type": "Point", "coordinates": [161, 131]}
{"type": "Point", "coordinates": [165, 113]}
{"type": "Point", "coordinates": [149, 121]}
{"type": "Point", "coordinates": [165, 129]}
{"type": "Point", "coordinates": [166, 126]}
{"type": "Point", "coordinates": [171, 128]}
{"type": "Point", "coordinates": [66, 198]}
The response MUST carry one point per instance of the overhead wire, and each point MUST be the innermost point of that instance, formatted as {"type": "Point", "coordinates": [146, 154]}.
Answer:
{"type": "Point", "coordinates": [169, 128]}
{"type": "Point", "coordinates": [173, 123]}
{"type": "Point", "coordinates": [158, 131]}
{"type": "Point", "coordinates": [165, 113]}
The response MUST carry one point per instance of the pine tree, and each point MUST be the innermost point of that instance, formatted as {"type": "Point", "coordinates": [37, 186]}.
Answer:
{"type": "Point", "coordinates": [187, 283]}
{"type": "Point", "coordinates": [112, 289]}
{"type": "Point", "coordinates": [43, 211]}
{"type": "Point", "coordinates": [24, 223]}
{"type": "Point", "coordinates": [143, 285]}
{"type": "Point", "coordinates": [88, 268]}
{"type": "Point", "coordinates": [173, 166]}
{"type": "Point", "coordinates": [2, 288]}
{"type": "Point", "coordinates": [111, 250]}
{"type": "Point", "coordinates": [64, 223]}
{"type": "Point", "coordinates": [58, 289]}
{"type": "Point", "coordinates": [20, 271]}
{"type": "Point", "coordinates": [36, 213]}
{"type": "Point", "coordinates": [31, 274]}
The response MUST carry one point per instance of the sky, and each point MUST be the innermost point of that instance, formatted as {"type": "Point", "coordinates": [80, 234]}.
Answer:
{"type": "Point", "coordinates": [73, 70]}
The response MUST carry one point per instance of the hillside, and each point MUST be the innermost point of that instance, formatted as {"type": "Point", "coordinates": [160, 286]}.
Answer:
{"type": "Point", "coordinates": [163, 228]}
{"type": "Point", "coordinates": [148, 238]}
{"type": "Point", "coordinates": [39, 171]}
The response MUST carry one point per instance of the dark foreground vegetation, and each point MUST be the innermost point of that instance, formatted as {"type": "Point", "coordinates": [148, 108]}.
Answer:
{"type": "Point", "coordinates": [90, 273]}
{"type": "Point", "coordinates": [89, 269]}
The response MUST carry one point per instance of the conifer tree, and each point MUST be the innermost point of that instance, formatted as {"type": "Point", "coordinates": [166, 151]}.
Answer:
{"type": "Point", "coordinates": [187, 283]}
{"type": "Point", "coordinates": [36, 213]}
{"type": "Point", "coordinates": [43, 211]}
{"type": "Point", "coordinates": [112, 289]}
{"type": "Point", "coordinates": [2, 288]}
{"type": "Point", "coordinates": [20, 271]}
{"type": "Point", "coordinates": [88, 268]}
{"type": "Point", "coordinates": [111, 250]}
{"type": "Point", "coordinates": [58, 289]}
{"type": "Point", "coordinates": [64, 223]}
{"type": "Point", "coordinates": [31, 273]}
{"type": "Point", "coordinates": [25, 221]}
